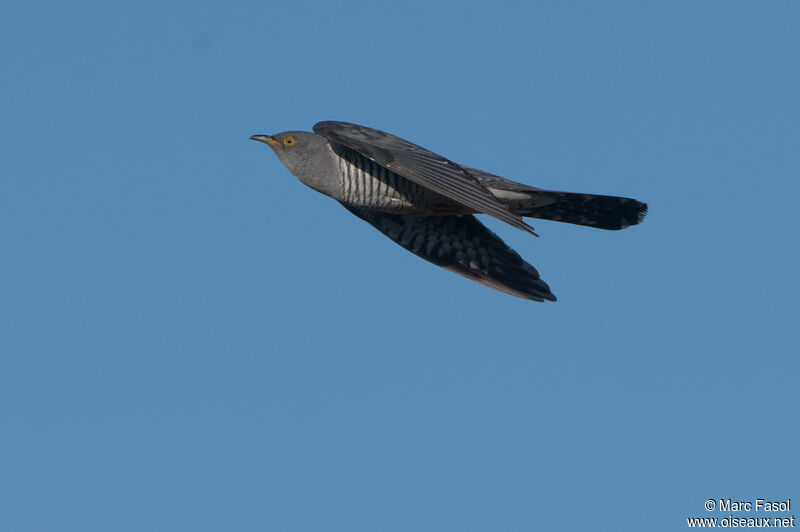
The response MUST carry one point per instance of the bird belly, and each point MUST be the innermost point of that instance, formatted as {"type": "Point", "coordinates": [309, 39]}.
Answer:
{"type": "Point", "coordinates": [366, 184]}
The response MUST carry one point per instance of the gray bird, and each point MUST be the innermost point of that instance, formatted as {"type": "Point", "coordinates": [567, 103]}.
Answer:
{"type": "Point", "coordinates": [426, 203]}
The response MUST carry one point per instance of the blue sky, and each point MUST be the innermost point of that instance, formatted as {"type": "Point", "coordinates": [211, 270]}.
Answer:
{"type": "Point", "coordinates": [192, 340]}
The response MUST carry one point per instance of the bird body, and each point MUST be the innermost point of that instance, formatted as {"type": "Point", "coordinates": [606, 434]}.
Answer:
{"type": "Point", "coordinates": [425, 202]}
{"type": "Point", "coordinates": [366, 184]}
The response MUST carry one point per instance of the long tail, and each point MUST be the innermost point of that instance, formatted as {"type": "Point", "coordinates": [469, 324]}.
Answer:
{"type": "Point", "coordinates": [592, 210]}
{"type": "Point", "coordinates": [602, 212]}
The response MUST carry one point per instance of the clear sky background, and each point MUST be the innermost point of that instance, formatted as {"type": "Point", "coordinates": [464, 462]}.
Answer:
{"type": "Point", "coordinates": [190, 339]}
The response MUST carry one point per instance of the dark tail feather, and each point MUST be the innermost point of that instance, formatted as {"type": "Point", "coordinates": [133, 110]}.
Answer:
{"type": "Point", "coordinates": [602, 212]}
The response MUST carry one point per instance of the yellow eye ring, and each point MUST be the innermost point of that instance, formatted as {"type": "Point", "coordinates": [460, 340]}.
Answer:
{"type": "Point", "coordinates": [288, 141]}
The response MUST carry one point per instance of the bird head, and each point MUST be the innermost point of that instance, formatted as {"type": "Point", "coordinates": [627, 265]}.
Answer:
{"type": "Point", "coordinates": [304, 154]}
{"type": "Point", "coordinates": [293, 148]}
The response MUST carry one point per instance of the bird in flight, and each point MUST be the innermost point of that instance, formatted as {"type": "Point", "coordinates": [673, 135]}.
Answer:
{"type": "Point", "coordinates": [426, 203]}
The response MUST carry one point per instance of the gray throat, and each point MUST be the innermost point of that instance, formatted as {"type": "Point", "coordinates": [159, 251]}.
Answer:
{"type": "Point", "coordinates": [320, 173]}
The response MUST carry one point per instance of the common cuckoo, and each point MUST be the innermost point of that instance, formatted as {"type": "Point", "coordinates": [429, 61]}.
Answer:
{"type": "Point", "coordinates": [426, 202]}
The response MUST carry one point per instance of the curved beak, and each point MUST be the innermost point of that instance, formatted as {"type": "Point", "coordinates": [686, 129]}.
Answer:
{"type": "Point", "coordinates": [266, 139]}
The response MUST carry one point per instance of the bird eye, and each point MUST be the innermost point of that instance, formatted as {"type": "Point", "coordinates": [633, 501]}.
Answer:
{"type": "Point", "coordinates": [288, 141]}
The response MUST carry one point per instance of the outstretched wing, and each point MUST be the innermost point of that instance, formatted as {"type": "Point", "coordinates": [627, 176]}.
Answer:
{"type": "Point", "coordinates": [462, 245]}
{"type": "Point", "coordinates": [421, 166]}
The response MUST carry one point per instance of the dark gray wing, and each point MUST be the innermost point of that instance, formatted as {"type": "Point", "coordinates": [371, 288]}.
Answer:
{"type": "Point", "coordinates": [462, 245]}
{"type": "Point", "coordinates": [490, 180]}
{"type": "Point", "coordinates": [421, 166]}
